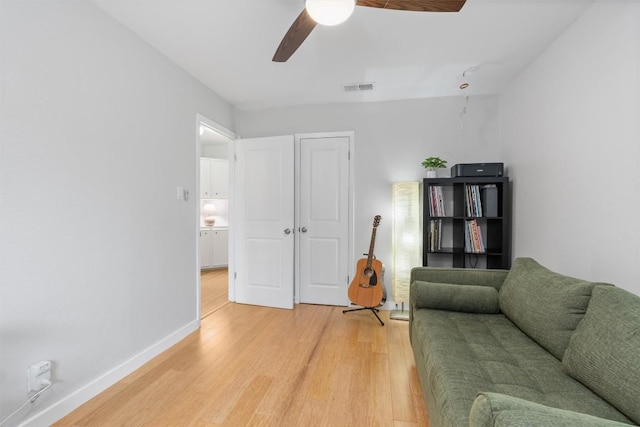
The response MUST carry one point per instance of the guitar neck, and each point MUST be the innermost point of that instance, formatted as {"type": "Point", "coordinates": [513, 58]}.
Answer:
{"type": "Point", "coordinates": [371, 245]}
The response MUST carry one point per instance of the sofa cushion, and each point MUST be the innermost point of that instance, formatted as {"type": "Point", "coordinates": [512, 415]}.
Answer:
{"type": "Point", "coordinates": [464, 298]}
{"type": "Point", "coordinates": [495, 410]}
{"type": "Point", "coordinates": [545, 305]}
{"type": "Point", "coordinates": [459, 276]}
{"type": "Point", "coordinates": [604, 351]}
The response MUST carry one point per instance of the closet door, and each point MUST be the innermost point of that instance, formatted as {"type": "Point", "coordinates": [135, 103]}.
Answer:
{"type": "Point", "coordinates": [264, 191]}
{"type": "Point", "coordinates": [323, 186]}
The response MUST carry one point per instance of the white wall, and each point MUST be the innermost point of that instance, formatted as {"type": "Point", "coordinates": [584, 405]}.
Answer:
{"type": "Point", "coordinates": [570, 131]}
{"type": "Point", "coordinates": [391, 140]}
{"type": "Point", "coordinates": [98, 258]}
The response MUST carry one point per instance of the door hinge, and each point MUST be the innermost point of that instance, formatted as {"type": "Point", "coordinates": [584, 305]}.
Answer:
{"type": "Point", "coordinates": [235, 157]}
{"type": "Point", "coordinates": [235, 275]}
{"type": "Point", "coordinates": [349, 155]}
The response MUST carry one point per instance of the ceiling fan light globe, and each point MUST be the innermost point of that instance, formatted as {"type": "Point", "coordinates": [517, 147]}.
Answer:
{"type": "Point", "coordinates": [330, 12]}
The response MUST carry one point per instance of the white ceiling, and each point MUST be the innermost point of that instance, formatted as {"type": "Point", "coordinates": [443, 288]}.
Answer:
{"type": "Point", "coordinates": [228, 46]}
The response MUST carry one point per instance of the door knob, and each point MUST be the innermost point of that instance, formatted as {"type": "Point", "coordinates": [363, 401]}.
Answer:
{"type": "Point", "coordinates": [287, 231]}
{"type": "Point", "coordinates": [303, 229]}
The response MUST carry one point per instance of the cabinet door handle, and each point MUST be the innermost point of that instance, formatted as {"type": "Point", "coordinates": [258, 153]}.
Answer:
{"type": "Point", "coordinates": [303, 229]}
{"type": "Point", "coordinates": [287, 231]}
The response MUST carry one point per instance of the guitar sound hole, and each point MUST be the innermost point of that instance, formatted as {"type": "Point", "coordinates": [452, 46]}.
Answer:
{"type": "Point", "coordinates": [370, 274]}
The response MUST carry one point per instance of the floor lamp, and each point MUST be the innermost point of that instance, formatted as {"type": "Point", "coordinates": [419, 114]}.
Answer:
{"type": "Point", "coordinates": [407, 242]}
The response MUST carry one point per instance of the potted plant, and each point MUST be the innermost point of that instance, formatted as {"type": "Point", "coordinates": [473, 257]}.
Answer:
{"type": "Point", "coordinates": [433, 163]}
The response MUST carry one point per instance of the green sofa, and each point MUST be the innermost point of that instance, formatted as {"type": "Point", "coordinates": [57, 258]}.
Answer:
{"type": "Point", "coordinates": [524, 347]}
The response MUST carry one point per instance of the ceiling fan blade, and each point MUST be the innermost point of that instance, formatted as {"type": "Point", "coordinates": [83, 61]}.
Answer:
{"type": "Point", "coordinates": [415, 5]}
{"type": "Point", "coordinates": [298, 32]}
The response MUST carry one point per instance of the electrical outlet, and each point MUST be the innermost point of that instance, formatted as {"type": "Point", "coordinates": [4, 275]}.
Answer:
{"type": "Point", "coordinates": [38, 375]}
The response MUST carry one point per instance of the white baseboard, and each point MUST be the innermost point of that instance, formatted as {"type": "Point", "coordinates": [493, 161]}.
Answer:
{"type": "Point", "coordinates": [66, 405]}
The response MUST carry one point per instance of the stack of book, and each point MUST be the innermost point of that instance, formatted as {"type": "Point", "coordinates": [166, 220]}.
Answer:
{"type": "Point", "coordinates": [472, 200]}
{"type": "Point", "coordinates": [473, 242]}
{"type": "Point", "coordinates": [436, 201]}
{"type": "Point", "coordinates": [435, 235]}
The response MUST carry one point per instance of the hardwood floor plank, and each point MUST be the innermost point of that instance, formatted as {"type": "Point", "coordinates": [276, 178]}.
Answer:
{"type": "Point", "coordinates": [180, 411]}
{"type": "Point", "coordinates": [323, 373]}
{"type": "Point", "coordinates": [214, 290]}
{"type": "Point", "coordinates": [404, 424]}
{"type": "Point", "coordinates": [245, 409]}
{"type": "Point", "coordinates": [339, 402]}
{"type": "Point", "coordinates": [380, 383]}
{"type": "Point", "coordinates": [401, 393]}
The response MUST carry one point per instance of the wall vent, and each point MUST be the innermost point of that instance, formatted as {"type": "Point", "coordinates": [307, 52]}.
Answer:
{"type": "Point", "coordinates": [358, 87]}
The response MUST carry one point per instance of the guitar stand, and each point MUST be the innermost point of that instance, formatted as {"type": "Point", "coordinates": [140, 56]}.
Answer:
{"type": "Point", "coordinates": [373, 310]}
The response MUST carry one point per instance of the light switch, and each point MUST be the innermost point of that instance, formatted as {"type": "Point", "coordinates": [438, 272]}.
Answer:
{"type": "Point", "coordinates": [180, 193]}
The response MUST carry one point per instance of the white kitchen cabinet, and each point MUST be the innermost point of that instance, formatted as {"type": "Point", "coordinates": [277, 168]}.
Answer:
{"type": "Point", "coordinates": [214, 248]}
{"type": "Point", "coordinates": [205, 178]}
{"type": "Point", "coordinates": [220, 244]}
{"type": "Point", "coordinates": [206, 248]}
{"type": "Point", "coordinates": [214, 178]}
{"type": "Point", "coordinates": [220, 178]}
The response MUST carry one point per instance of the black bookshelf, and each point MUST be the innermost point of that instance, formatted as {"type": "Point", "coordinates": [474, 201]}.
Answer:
{"type": "Point", "coordinates": [467, 222]}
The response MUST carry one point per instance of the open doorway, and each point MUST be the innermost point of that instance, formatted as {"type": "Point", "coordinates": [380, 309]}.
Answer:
{"type": "Point", "coordinates": [214, 188]}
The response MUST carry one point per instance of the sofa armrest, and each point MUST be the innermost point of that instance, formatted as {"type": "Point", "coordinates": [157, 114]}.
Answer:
{"type": "Point", "coordinates": [460, 276]}
{"type": "Point", "coordinates": [499, 410]}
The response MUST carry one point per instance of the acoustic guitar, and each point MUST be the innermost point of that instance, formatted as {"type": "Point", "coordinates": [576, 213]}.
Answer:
{"type": "Point", "coordinates": [366, 288]}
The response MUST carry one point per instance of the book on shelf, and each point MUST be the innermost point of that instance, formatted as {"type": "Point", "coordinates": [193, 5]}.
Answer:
{"type": "Point", "coordinates": [436, 203]}
{"type": "Point", "coordinates": [472, 200]}
{"type": "Point", "coordinates": [435, 235]}
{"type": "Point", "coordinates": [473, 240]}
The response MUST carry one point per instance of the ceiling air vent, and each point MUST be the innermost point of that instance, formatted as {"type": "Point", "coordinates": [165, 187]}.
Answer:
{"type": "Point", "coordinates": [358, 87]}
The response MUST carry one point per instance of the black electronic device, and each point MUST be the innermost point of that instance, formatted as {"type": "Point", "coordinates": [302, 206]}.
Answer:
{"type": "Point", "coordinates": [477, 169]}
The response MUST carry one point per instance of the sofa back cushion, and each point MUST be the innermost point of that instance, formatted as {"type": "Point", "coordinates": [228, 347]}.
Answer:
{"type": "Point", "coordinates": [453, 297]}
{"type": "Point", "coordinates": [604, 351]}
{"type": "Point", "coordinates": [546, 306]}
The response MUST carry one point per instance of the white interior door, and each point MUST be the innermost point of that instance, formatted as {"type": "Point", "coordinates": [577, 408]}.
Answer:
{"type": "Point", "coordinates": [264, 191]}
{"type": "Point", "coordinates": [323, 218]}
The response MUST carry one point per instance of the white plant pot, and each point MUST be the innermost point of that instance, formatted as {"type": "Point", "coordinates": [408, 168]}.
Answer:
{"type": "Point", "coordinates": [432, 173]}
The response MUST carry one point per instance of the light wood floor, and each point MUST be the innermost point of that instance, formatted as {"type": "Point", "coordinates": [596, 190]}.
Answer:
{"type": "Point", "coordinates": [214, 290]}
{"type": "Point", "coordinates": [257, 366]}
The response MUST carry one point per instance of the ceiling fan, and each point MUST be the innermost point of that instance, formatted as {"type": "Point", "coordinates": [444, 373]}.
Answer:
{"type": "Point", "coordinates": [305, 23]}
